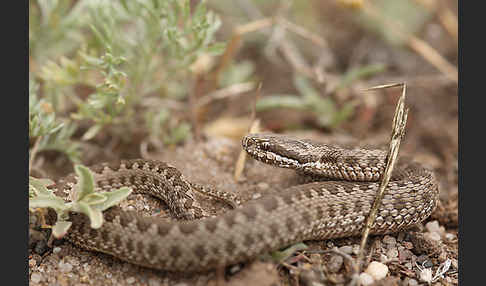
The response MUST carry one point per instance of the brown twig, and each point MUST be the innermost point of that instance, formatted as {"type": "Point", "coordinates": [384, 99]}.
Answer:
{"type": "Point", "coordinates": [398, 131]}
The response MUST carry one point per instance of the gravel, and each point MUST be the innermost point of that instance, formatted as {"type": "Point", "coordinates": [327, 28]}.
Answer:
{"type": "Point", "coordinates": [377, 270]}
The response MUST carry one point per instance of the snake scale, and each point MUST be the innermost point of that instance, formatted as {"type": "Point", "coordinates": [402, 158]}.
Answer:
{"type": "Point", "coordinates": [313, 211]}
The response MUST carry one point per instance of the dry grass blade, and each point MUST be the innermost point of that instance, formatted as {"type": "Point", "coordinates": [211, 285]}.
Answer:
{"type": "Point", "coordinates": [254, 128]}
{"type": "Point", "coordinates": [398, 131]}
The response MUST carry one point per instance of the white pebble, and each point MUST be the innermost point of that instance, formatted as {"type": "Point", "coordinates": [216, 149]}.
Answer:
{"type": "Point", "coordinates": [433, 226]}
{"type": "Point", "coordinates": [377, 270]}
{"type": "Point", "coordinates": [35, 277]}
{"type": "Point", "coordinates": [256, 196]}
{"type": "Point", "coordinates": [56, 250]}
{"type": "Point", "coordinates": [426, 275]}
{"type": "Point", "coordinates": [392, 253]}
{"type": "Point", "coordinates": [65, 267]}
{"type": "Point", "coordinates": [433, 236]}
{"type": "Point", "coordinates": [130, 280]}
{"type": "Point", "coordinates": [450, 236]}
{"type": "Point", "coordinates": [412, 282]}
{"type": "Point", "coordinates": [365, 279]}
{"type": "Point", "coordinates": [153, 282]}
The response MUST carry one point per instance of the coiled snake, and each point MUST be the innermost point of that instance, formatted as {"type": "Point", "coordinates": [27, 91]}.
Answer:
{"type": "Point", "coordinates": [313, 211]}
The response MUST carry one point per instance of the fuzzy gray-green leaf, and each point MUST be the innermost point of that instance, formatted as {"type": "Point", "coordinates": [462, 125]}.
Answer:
{"type": "Point", "coordinates": [60, 228]}
{"type": "Point", "coordinates": [95, 215]}
{"type": "Point", "coordinates": [94, 198]}
{"type": "Point", "coordinates": [85, 185]}
{"type": "Point", "coordinates": [39, 185]}
{"type": "Point", "coordinates": [47, 201]}
{"type": "Point", "coordinates": [113, 198]}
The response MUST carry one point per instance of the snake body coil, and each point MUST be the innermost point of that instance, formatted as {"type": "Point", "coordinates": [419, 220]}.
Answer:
{"type": "Point", "coordinates": [314, 211]}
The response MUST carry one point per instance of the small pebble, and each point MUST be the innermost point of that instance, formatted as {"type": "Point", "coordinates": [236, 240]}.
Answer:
{"type": "Point", "coordinates": [390, 240]}
{"type": "Point", "coordinates": [56, 250]}
{"type": "Point", "coordinates": [36, 277]}
{"type": "Point", "coordinates": [426, 275]}
{"type": "Point", "coordinates": [377, 270]}
{"type": "Point", "coordinates": [450, 236]}
{"type": "Point", "coordinates": [392, 253]}
{"type": "Point", "coordinates": [263, 186]}
{"type": "Point", "coordinates": [412, 282]}
{"type": "Point", "coordinates": [346, 249]}
{"type": "Point", "coordinates": [366, 279]}
{"type": "Point", "coordinates": [130, 280]}
{"type": "Point", "coordinates": [335, 263]}
{"type": "Point", "coordinates": [153, 282]}
{"type": "Point", "coordinates": [109, 275]}
{"type": "Point", "coordinates": [256, 196]}
{"type": "Point", "coordinates": [65, 267]}
{"type": "Point", "coordinates": [433, 226]}
{"type": "Point", "coordinates": [433, 236]}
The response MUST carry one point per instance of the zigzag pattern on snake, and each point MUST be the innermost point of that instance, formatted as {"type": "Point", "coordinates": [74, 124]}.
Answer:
{"type": "Point", "coordinates": [313, 211]}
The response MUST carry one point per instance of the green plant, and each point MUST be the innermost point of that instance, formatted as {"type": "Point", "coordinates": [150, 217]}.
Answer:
{"type": "Point", "coordinates": [48, 132]}
{"type": "Point", "coordinates": [87, 201]}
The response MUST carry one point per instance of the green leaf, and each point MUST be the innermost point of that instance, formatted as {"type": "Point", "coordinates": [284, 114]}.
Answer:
{"type": "Point", "coordinates": [94, 198]}
{"type": "Point", "coordinates": [85, 185]}
{"type": "Point", "coordinates": [39, 185]}
{"type": "Point", "coordinates": [113, 198]}
{"type": "Point", "coordinates": [60, 228]}
{"type": "Point", "coordinates": [92, 131]}
{"type": "Point", "coordinates": [47, 201]}
{"type": "Point", "coordinates": [280, 256]}
{"type": "Point", "coordinates": [281, 101]}
{"type": "Point", "coordinates": [95, 216]}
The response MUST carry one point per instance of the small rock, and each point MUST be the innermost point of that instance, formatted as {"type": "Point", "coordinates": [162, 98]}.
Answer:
{"type": "Point", "coordinates": [153, 282]}
{"type": "Point", "coordinates": [426, 275]}
{"type": "Point", "coordinates": [435, 236]}
{"type": "Point", "coordinates": [256, 196]}
{"type": "Point", "coordinates": [65, 267]}
{"type": "Point", "coordinates": [263, 186]}
{"type": "Point", "coordinates": [130, 280]}
{"type": "Point", "coordinates": [377, 270]}
{"type": "Point", "coordinates": [36, 277]}
{"type": "Point", "coordinates": [335, 263]}
{"type": "Point", "coordinates": [109, 275]}
{"type": "Point", "coordinates": [390, 240]}
{"type": "Point", "coordinates": [450, 236]}
{"type": "Point", "coordinates": [346, 249]}
{"type": "Point", "coordinates": [392, 253]}
{"type": "Point", "coordinates": [366, 279]}
{"type": "Point", "coordinates": [433, 226]}
{"type": "Point", "coordinates": [56, 250]}
{"type": "Point", "coordinates": [412, 282]}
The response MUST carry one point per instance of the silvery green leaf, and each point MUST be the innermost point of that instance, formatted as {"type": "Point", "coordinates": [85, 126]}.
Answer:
{"type": "Point", "coordinates": [61, 228]}
{"type": "Point", "coordinates": [47, 201]}
{"type": "Point", "coordinates": [39, 185]}
{"type": "Point", "coordinates": [113, 198]}
{"type": "Point", "coordinates": [280, 256]}
{"type": "Point", "coordinates": [94, 198]}
{"type": "Point", "coordinates": [95, 215]}
{"type": "Point", "coordinates": [85, 185]}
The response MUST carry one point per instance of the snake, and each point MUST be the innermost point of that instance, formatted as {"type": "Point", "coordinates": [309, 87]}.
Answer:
{"type": "Point", "coordinates": [335, 204]}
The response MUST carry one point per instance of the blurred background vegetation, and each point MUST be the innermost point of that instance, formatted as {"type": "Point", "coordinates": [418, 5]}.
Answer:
{"type": "Point", "coordinates": [109, 79]}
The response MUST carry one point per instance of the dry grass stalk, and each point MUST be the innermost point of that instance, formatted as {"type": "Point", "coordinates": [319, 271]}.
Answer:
{"type": "Point", "coordinates": [398, 131]}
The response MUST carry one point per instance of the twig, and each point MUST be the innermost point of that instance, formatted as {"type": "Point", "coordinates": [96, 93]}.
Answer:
{"type": "Point", "coordinates": [33, 152]}
{"type": "Point", "coordinates": [234, 89]}
{"type": "Point", "coordinates": [254, 128]}
{"type": "Point", "coordinates": [398, 131]}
